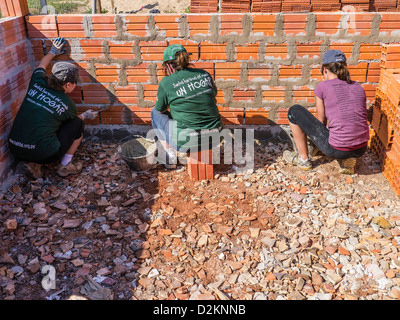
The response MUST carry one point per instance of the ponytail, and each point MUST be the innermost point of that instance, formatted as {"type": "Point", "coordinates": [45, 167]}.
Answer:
{"type": "Point", "coordinates": [182, 61]}
{"type": "Point", "coordinates": [54, 83]}
{"type": "Point", "coordinates": [340, 69]}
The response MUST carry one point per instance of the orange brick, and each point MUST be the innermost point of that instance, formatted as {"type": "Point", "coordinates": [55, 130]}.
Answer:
{"type": "Point", "coordinates": [257, 72]}
{"type": "Point", "coordinates": [152, 50]}
{"type": "Point", "coordinates": [295, 25]}
{"type": "Point", "coordinates": [107, 72]}
{"type": "Point", "coordinates": [227, 70]}
{"type": "Point", "coordinates": [327, 23]}
{"type": "Point", "coordinates": [247, 52]}
{"type": "Point", "coordinates": [192, 47]}
{"type": "Point", "coordinates": [276, 51]}
{"type": "Point", "coordinates": [257, 116]}
{"type": "Point", "coordinates": [231, 24]}
{"type": "Point", "coordinates": [92, 49]}
{"type": "Point", "coordinates": [140, 115]}
{"type": "Point", "coordinates": [389, 23]}
{"type": "Point", "coordinates": [127, 94]}
{"type": "Point", "coordinates": [358, 72]}
{"type": "Point", "coordinates": [167, 25]}
{"type": "Point", "coordinates": [303, 94]}
{"type": "Point", "coordinates": [231, 115]}
{"type": "Point", "coordinates": [136, 25]}
{"type": "Point", "coordinates": [150, 92]}
{"type": "Point", "coordinates": [281, 116]}
{"type": "Point", "coordinates": [373, 72]}
{"type": "Point", "coordinates": [263, 25]}
{"type": "Point", "coordinates": [360, 24]}
{"type": "Point", "coordinates": [291, 73]}
{"type": "Point", "coordinates": [199, 25]}
{"type": "Point", "coordinates": [273, 94]}
{"type": "Point", "coordinates": [370, 51]}
{"type": "Point", "coordinates": [212, 51]}
{"type": "Point", "coordinates": [43, 26]}
{"type": "Point", "coordinates": [309, 50]}
{"type": "Point", "coordinates": [138, 74]}
{"type": "Point", "coordinates": [95, 94]}
{"type": "Point", "coordinates": [121, 50]}
{"type": "Point", "coordinates": [345, 47]}
{"type": "Point", "coordinates": [243, 95]}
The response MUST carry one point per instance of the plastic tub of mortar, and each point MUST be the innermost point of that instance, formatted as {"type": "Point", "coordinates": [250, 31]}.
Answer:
{"type": "Point", "coordinates": [138, 152]}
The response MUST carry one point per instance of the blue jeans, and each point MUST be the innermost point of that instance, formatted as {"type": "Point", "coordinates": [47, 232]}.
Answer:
{"type": "Point", "coordinates": [162, 124]}
{"type": "Point", "coordinates": [319, 133]}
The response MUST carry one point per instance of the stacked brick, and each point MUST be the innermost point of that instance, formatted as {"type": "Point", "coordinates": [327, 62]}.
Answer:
{"type": "Point", "coordinates": [385, 121]}
{"type": "Point", "coordinates": [266, 6]}
{"type": "Point", "coordinates": [242, 6]}
{"type": "Point", "coordinates": [13, 8]}
{"type": "Point", "coordinates": [204, 6]}
{"type": "Point", "coordinates": [15, 70]}
{"type": "Point", "coordinates": [262, 64]}
{"type": "Point", "coordinates": [235, 6]}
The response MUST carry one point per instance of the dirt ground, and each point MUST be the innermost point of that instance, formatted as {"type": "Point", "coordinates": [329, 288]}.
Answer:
{"type": "Point", "coordinates": [269, 233]}
{"type": "Point", "coordinates": [144, 6]}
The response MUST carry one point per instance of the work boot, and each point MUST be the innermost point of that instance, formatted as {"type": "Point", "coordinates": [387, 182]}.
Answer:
{"type": "Point", "coordinates": [347, 165]}
{"type": "Point", "coordinates": [71, 168]}
{"type": "Point", "coordinates": [292, 157]}
{"type": "Point", "coordinates": [32, 170]}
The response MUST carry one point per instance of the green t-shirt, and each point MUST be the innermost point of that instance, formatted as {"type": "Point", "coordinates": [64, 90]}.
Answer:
{"type": "Point", "coordinates": [190, 95]}
{"type": "Point", "coordinates": [33, 135]}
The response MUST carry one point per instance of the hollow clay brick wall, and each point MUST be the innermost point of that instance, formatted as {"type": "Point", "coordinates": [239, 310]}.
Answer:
{"type": "Point", "coordinates": [262, 63]}
{"type": "Point", "coordinates": [15, 73]}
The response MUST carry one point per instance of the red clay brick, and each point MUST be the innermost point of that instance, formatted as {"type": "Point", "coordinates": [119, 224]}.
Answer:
{"type": "Point", "coordinates": [212, 51]}
{"type": "Point", "coordinates": [167, 25]}
{"type": "Point", "coordinates": [327, 23]}
{"type": "Point", "coordinates": [231, 115]}
{"type": "Point", "coordinates": [227, 70]}
{"type": "Point", "coordinates": [138, 74]}
{"type": "Point", "coordinates": [275, 94]}
{"type": "Point", "coordinates": [263, 25]}
{"type": "Point", "coordinates": [309, 50]}
{"type": "Point", "coordinates": [247, 52]}
{"type": "Point", "coordinates": [257, 116]}
{"type": "Point", "coordinates": [199, 25]}
{"type": "Point", "coordinates": [257, 72]}
{"type": "Point", "coordinates": [276, 51]}
{"type": "Point", "coordinates": [152, 50]}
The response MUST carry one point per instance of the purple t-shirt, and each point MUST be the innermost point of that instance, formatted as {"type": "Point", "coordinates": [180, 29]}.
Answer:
{"type": "Point", "coordinates": [346, 112]}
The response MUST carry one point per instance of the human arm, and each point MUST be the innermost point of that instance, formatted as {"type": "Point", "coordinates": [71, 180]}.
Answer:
{"type": "Point", "coordinates": [56, 49]}
{"type": "Point", "coordinates": [162, 100]}
{"type": "Point", "coordinates": [320, 110]}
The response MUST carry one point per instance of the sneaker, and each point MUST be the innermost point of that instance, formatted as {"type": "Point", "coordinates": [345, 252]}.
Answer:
{"type": "Point", "coordinates": [347, 165]}
{"type": "Point", "coordinates": [71, 168]}
{"type": "Point", "coordinates": [182, 158]}
{"type": "Point", "coordinates": [170, 159]}
{"type": "Point", "coordinates": [32, 170]}
{"type": "Point", "coordinates": [292, 157]}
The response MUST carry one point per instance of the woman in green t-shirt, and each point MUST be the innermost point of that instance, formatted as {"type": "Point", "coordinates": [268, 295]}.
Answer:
{"type": "Point", "coordinates": [193, 117]}
{"type": "Point", "coordinates": [46, 128]}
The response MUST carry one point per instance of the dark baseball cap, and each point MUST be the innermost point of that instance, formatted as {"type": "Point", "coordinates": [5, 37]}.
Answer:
{"type": "Point", "coordinates": [66, 72]}
{"type": "Point", "coordinates": [333, 55]}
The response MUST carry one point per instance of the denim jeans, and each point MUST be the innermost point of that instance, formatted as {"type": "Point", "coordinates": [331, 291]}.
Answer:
{"type": "Point", "coordinates": [319, 133]}
{"type": "Point", "coordinates": [162, 124]}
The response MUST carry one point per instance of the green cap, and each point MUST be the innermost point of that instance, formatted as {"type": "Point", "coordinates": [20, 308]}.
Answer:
{"type": "Point", "coordinates": [170, 52]}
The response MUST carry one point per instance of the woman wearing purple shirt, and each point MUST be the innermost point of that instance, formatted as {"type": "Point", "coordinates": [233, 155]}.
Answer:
{"type": "Point", "coordinates": [340, 129]}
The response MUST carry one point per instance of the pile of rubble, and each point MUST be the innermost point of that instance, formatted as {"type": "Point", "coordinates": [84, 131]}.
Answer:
{"type": "Point", "coordinates": [271, 232]}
